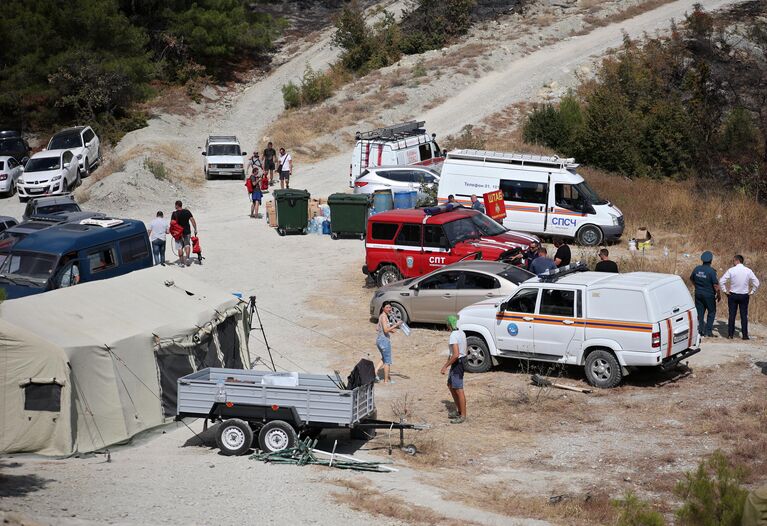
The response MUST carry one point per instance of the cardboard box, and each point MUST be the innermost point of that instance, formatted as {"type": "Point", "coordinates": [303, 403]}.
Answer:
{"type": "Point", "coordinates": [271, 214]}
{"type": "Point", "coordinates": [314, 207]}
{"type": "Point", "coordinates": [643, 234]}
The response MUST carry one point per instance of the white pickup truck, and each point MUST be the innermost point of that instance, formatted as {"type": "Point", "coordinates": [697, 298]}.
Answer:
{"type": "Point", "coordinates": [605, 322]}
{"type": "Point", "coordinates": [223, 157]}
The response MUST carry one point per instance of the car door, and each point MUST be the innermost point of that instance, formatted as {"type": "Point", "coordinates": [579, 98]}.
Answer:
{"type": "Point", "coordinates": [92, 148]}
{"type": "Point", "coordinates": [67, 160]}
{"type": "Point", "coordinates": [556, 322]}
{"type": "Point", "coordinates": [407, 250]}
{"type": "Point", "coordinates": [514, 328]}
{"type": "Point", "coordinates": [435, 297]}
{"type": "Point", "coordinates": [476, 286]}
{"type": "Point", "coordinates": [525, 203]}
{"type": "Point", "coordinates": [436, 249]}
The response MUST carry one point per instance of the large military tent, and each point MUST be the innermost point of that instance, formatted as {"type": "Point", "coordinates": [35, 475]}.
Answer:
{"type": "Point", "coordinates": [89, 366]}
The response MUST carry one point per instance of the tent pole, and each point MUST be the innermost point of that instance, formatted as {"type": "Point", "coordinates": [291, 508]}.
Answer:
{"type": "Point", "coordinates": [254, 309]}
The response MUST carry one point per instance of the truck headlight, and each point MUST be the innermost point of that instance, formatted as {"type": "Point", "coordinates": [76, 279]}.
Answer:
{"type": "Point", "coordinates": [56, 178]}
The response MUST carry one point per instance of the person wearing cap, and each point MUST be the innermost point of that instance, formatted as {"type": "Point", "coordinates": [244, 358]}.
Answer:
{"type": "Point", "coordinates": [739, 283]}
{"type": "Point", "coordinates": [455, 362]}
{"type": "Point", "coordinates": [706, 293]}
{"type": "Point", "coordinates": [531, 253]}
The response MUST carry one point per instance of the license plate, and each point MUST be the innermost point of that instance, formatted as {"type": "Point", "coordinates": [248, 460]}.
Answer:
{"type": "Point", "coordinates": [680, 337]}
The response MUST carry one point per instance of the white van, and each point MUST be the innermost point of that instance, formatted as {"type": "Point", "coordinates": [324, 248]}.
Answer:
{"type": "Point", "coordinates": [401, 144]}
{"type": "Point", "coordinates": [543, 195]}
{"type": "Point", "coordinates": [604, 322]}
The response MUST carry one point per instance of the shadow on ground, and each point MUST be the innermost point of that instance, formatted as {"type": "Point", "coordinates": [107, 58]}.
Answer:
{"type": "Point", "coordinates": [18, 485]}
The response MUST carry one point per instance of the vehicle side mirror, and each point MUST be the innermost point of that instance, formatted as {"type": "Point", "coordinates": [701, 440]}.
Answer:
{"type": "Point", "coordinates": [87, 144]}
{"type": "Point", "coordinates": [204, 153]}
{"type": "Point", "coordinates": [244, 153]}
{"type": "Point", "coordinates": [503, 306]}
{"type": "Point", "coordinates": [24, 161]}
{"type": "Point", "coordinates": [79, 156]}
{"type": "Point", "coordinates": [66, 165]}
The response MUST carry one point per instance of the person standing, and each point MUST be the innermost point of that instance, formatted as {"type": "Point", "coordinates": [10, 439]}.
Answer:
{"type": "Point", "coordinates": [253, 185]}
{"type": "Point", "coordinates": [157, 230]}
{"type": "Point", "coordinates": [605, 264]}
{"type": "Point", "coordinates": [476, 204]}
{"type": "Point", "coordinates": [384, 329]}
{"type": "Point", "coordinates": [286, 168]}
{"type": "Point", "coordinates": [563, 255]}
{"type": "Point", "coordinates": [256, 166]}
{"type": "Point", "coordinates": [706, 293]}
{"type": "Point", "coordinates": [270, 156]}
{"type": "Point", "coordinates": [738, 283]}
{"type": "Point", "coordinates": [542, 263]}
{"type": "Point", "coordinates": [531, 253]}
{"type": "Point", "coordinates": [455, 362]}
{"type": "Point", "coordinates": [186, 221]}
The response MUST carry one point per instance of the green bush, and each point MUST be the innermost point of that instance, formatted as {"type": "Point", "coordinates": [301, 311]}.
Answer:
{"type": "Point", "coordinates": [712, 495]}
{"type": "Point", "coordinates": [426, 26]}
{"type": "Point", "coordinates": [291, 95]}
{"type": "Point", "coordinates": [468, 139]}
{"type": "Point", "coordinates": [635, 512]}
{"type": "Point", "coordinates": [156, 168]}
{"type": "Point", "coordinates": [315, 87]}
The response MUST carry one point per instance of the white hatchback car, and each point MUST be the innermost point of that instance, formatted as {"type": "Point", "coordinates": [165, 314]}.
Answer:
{"type": "Point", "coordinates": [50, 172]}
{"type": "Point", "coordinates": [10, 171]}
{"type": "Point", "coordinates": [83, 142]}
{"type": "Point", "coordinates": [395, 178]}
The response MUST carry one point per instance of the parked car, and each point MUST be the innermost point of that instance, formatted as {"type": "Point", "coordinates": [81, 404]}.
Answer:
{"type": "Point", "coordinates": [402, 144]}
{"type": "Point", "coordinates": [223, 157]}
{"type": "Point", "coordinates": [101, 248]}
{"type": "Point", "coordinates": [409, 243]}
{"type": "Point", "coordinates": [543, 195]}
{"type": "Point", "coordinates": [10, 172]}
{"type": "Point", "coordinates": [605, 323]}
{"type": "Point", "coordinates": [83, 142]}
{"type": "Point", "coordinates": [7, 222]}
{"type": "Point", "coordinates": [47, 206]}
{"type": "Point", "coordinates": [394, 178]}
{"type": "Point", "coordinates": [50, 172]}
{"type": "Point", "coordinates": [12, 144]}
{"type": "Point", "coordinates": [433, 297]}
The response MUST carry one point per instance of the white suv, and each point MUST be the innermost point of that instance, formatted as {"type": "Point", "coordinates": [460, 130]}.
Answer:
{"type": "Point", "coordinates": [223, 157]}
{"type": "Point", "coordinates": [83, 142]}
{"type": "Point", "coordinates": [603, 322]}
{"type": "Point", "coordinates": [50, 172]}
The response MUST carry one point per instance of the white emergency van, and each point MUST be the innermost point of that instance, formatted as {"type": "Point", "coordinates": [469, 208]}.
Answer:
{"type": "Point", "coordinates": [401, 144]}
{"type": "Point", "coordinates": [543, 195]}
{"type": "Point", "coordinates": [607, 323]}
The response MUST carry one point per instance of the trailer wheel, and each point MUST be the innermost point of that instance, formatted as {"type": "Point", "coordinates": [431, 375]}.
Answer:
{"type": "Point", "coordinates": [478, 358]}
{"type": "Point", "coordinates": [276, 436]}
{"type": "Point", "coordinates": [410, 449]}
{"type": "Point", "coordinates": [234, 437]}
{"type": "Point", "coordinates": [603, 370]}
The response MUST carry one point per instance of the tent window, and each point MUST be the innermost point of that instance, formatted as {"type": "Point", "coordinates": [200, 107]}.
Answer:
{"type": "Point", "coordinates": [42, 397]}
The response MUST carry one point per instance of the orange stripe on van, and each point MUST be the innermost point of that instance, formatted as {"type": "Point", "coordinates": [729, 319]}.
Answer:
{"type": "Point", "coordinates": [670, 337]}
{"type": "Point", "coordinates": [689, 321]}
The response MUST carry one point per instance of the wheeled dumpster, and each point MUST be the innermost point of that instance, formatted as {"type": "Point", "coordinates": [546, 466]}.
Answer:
{"type": "Point", "coordinates": [349, 214]}
{"type": "Point", "coordinates": [292, 210]}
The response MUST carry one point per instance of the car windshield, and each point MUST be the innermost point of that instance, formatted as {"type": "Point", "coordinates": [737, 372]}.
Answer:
{"type": "Point", "coordinates": [27, 265]}
{"type": "Point", "coordinates": [223, 149]}
{"type": "Point", "coordinates": [57, 209]}
{"type": "Point", "coordinates": [586, 191]}
{"type": "Point", "coordinates": [65, 141]}
{"type": "Point", "coordinates": [515, 274]}
{"type": "Point", "coordinates": [472, 227]}
{"type": "Point", "coordinates": [11, 145]}
{"type": "Point", "coordinates": [43, 164]}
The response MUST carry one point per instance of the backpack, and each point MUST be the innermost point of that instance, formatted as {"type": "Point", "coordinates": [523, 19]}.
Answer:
{"type": "Point", "coordinates": [176, 230]}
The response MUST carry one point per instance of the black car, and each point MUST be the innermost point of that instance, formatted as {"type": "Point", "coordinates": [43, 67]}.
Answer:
{"type": "Point", "coordinates": [14, 145]}
{"type": "Point", "coordinates": [50, 206]}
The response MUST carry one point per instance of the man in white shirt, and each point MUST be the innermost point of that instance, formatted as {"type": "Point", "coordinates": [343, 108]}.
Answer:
{"type": "Point", "coordinates": [157, 230]}
{"type": "Point", "coordinates": [457, 343]}
{"type": "Point", "coordinates": [285, 168]}
{"type": "Point", "coordinates": [738, 283]}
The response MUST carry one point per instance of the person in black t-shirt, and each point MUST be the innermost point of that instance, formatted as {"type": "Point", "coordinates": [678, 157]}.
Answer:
{"type": "Point", "coordinates": [563, 255]}
{"type": "Point", "coordinates": [270, 157]}
{"type": "Point", "coordinates": [605, 264]}
{"type": "Point", "coordinates": [185, 220]}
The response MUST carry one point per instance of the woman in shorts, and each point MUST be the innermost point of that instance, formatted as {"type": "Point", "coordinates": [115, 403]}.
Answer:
{"type": "Point", "coordinates": [383, 340]}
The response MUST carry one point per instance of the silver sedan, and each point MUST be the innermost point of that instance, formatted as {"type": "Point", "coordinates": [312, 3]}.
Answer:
{"type": "Point", "coordinates": [10, 171]}
{"type": "Point", "coordinates": [435, 296]}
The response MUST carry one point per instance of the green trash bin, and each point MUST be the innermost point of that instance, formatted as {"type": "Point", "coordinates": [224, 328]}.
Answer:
{"type": "Point", "coordinates": [348, 214]}
{"type": "Point", "coordinates": [292, 208]}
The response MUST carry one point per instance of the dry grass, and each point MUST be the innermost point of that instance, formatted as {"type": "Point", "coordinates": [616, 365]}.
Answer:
{"type": "Point", "coordinates": [361, 496]}
{"type": "Point", "coordinates": [593, 19]}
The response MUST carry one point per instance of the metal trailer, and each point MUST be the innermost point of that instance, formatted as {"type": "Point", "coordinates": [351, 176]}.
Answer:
{"type": "Point", "coordinates": [277, 414]}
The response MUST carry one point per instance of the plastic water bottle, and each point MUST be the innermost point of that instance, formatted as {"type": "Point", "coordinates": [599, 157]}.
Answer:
{"type": "Point", "coordinates": [221, 391]}
{"type": "Point", "coordinates": [632, 245]}
{"type": "Point", "coordinates": [665, 252]}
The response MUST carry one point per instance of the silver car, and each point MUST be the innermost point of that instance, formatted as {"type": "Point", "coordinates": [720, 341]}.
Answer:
{"type": "Point", "coordinates": [395, 178]}
{"type": "Point", "coordinates": [10, 171]}
{"type": "Point", "coordinates": [435, 296]}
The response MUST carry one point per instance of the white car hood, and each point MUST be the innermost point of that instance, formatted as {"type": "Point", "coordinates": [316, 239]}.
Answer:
{"type": "Point", "coordinates": [42, 176]}
{"type": "Point", "coordinates": [225, 159]}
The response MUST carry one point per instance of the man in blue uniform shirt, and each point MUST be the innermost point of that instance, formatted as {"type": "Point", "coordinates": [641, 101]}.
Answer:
{"type": "Point", "coordinates": [706, 293]}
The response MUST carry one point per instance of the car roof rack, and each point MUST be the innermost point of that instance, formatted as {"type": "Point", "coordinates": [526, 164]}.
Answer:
{"type": "Point", "coordinates": [104, 222]}
{"type": "Point", "coordinates": [519, 159]}
{"type": "Point", "coordinates": [397, 131]}
{"type": "Point", "coordinates": [552, 275]}
{"type": "Point", "coordinates": [222, 138]}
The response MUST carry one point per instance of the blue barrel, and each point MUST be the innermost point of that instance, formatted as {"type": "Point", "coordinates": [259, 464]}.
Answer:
{"type": "Point", "coordinates": [402, 199]}
{"type": "Point", "coordinates": [383, 201]}
{"type": "Point", "coordinates": [413, 198]}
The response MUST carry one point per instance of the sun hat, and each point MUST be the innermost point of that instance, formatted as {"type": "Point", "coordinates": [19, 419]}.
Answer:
{"type": "Point", "coordinates": [452, 321]}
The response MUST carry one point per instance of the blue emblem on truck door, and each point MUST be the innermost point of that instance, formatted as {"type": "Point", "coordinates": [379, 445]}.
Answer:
{"type": "Point", "coordinates": [513, 329]}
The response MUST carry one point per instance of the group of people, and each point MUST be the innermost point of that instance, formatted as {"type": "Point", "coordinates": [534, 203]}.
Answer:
{"type": "Point", "coordinates": [739, 283]}
{"type": "Point", "coordinates": [536, 258]}
{"type": "Point", "coordinates": [180, 228]}
{"type": "Point", "coordinates": [262, 172]}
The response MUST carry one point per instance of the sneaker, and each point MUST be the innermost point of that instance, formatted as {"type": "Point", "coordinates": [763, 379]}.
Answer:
{"type": "Point", "coordinates": [458, 420]}
{"type": "Point", "coordinates": [259, 216]}
{"type": "Point", "coordinates": [746, 338]}
{"type": "Point", "coordinates": [452, 414]}
{"type": "Point", "coordinates": [189, 263]}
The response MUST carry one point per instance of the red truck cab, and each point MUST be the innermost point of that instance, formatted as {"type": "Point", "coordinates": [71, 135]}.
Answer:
{"type": "Point", "coordinates": [410, 243]}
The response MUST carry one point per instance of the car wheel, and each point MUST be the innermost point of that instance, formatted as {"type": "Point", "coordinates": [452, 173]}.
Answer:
{"type": "Point", "coordinates": [478, 358]}
{"type": "Point", "coordinates": [276, 436]}
{"type": "Point", "coordinates": [78, 181]}
{"type": "Point", "coordinates": [208, 177]}
{"type": "Point", "coordinates": [387, 275]}
{"type": "Point", "coordinates": [603, 370]}
{"type": "Point", "coordinates": [234, 437]}
{"type": "Point", "coordinates": [398, 313]}
{"type": "Point", "coordinates": [86, 171]}
{"type": "Point", "coordinates": [589, 236]}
